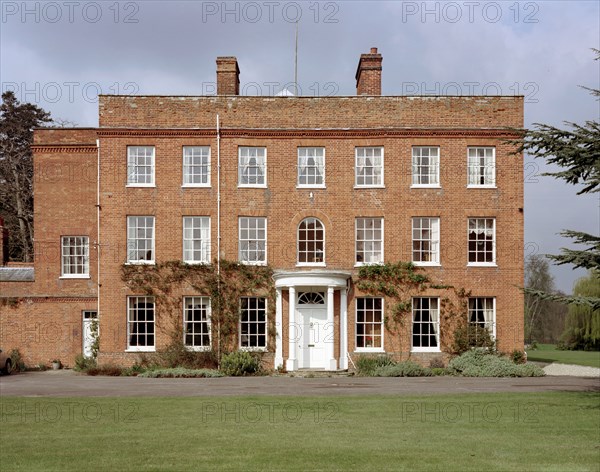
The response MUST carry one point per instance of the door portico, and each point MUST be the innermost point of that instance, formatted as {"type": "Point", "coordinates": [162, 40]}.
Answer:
{"type": "Point", "coordinates": [311, 338]}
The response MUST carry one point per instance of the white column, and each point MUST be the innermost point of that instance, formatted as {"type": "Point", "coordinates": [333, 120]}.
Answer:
{"type": "Point", "coordinates": [279, 328]}
{"type": "Point", "coordinates": [343, 329]}
{"type": "Point", "coordinates": [291, 363]}
{"type": "Point", "coordinates": [331, 362]}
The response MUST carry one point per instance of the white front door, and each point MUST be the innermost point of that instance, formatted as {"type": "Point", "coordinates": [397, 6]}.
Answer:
{"type": "Point", "coordinates": [89, 334]}
{"type": "Point", "coordinates": [314, 331]}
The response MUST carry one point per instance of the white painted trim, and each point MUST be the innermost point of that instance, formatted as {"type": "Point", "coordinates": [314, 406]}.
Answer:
{"type": "Point", "coordinates": [279, 329]}
{"type": "Point", "coordinates": [285, 279]}
{"type": "Point", "coordinates": [343, 362]}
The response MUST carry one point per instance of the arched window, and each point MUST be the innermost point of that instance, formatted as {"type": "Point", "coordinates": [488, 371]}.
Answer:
{"type": "Point", "coordinates": [311, 241]}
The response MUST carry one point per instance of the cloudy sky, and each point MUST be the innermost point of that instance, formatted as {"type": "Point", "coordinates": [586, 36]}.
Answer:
{"type": "Point", "coordinates": [60, 55]}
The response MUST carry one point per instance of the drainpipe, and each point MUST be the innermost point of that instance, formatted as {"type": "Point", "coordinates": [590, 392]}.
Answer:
{"type": "Point", "coordinates": [219, 236]}
{"type": "Point", "coordinates": [98, 285]}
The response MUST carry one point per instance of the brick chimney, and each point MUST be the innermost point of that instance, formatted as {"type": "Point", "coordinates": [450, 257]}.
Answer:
{"type": "Point", "coordinates": [368, 74]}
{"type": "Point", "coordinates": [228, 76]}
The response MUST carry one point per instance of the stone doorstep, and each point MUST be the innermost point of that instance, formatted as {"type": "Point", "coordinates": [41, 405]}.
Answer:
{"type": "Point", "coordinates": [318, 373]}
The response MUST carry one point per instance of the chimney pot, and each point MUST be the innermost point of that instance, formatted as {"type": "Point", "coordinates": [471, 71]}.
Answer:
{"type": "Point", "coordinates": [373, 50]}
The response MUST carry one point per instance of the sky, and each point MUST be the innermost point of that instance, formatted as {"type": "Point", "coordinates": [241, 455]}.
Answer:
{"type": "Point", "coordinates": [61, 55]}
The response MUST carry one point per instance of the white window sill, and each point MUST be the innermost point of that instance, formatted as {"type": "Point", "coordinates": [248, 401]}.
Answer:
{"type": "Point", "coordinates": [363, 264]}
{"type": "Point", "coordinates": [197, 262]}
{"type": "Point", "coordinates": [310, 186]}
{"type": "Point", "coordinates": [140, 185]}
{"type": "Point", "coordinates": [311, 264]}
{"type": "Point", "coordinates": [368, 186]}
{"type": "Point", "coordinates": [482, 264]}
{"type": "Point", "coordinates": [482, 186]}
{"type": "Point", "coordinates": [250, 263]}
{"type": "Point", "coordinates": [141, 349]}
{"type": "Point", "coordinates": [363, 350]}
{"type": "Point", "coordinates": [86, 276]}
{"type": "Point", "coordinates": [253, 349]}
{"type": "Point", "coordinates": [140, 263]}
{"type": "Point", "coordinates": [425, 186]}
{"type": "Point", "coordinates": [196, 185]}
{"type": "Point", "coordinates": [252, 186]}
{"type": "Point", "coordinates": [425, 349]}
{"type": "Point", "coordinates": [198, 348]}
{"type": "Point", "coordinates": [427, 264]}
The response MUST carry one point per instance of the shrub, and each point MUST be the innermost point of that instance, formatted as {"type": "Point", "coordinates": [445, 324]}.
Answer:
{"type": "Point", "coordinates": [107, 369]}
{"type": "Point", "coordinates": [518, 357]}
{"type": "Point", "coordinates": [402, 369]}
{"type": "Point", "coordinates": [437, 363]}
{"type": "Point", "coordinates": [83, 364]}
{"type": "Point", "coordinates": [180, 372]}
{"type": "Point", "coordinates": [366, 365]}
{"type": "Point", "coordinates": [135, 370]}
{"type": "Point", "coordinates": [18, 365]}
{"type": "Point", "coordinates": [240, 363]}
{"type": "Point", "coordinates": [480, 363]}
{"type": "Point", "coordinates": [471, 336]}
{"type": "Point", "coordinates": [437, 371]}
{"type": "Point", "coordinates": [176, 354]}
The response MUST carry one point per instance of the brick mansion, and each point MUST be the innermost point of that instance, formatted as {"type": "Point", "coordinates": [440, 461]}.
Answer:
{"type": "Point", "coordinates": [311, 189]}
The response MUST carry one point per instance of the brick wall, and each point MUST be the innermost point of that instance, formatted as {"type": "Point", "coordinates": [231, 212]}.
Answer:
{"type": "Point", "coordinates": [43, 319]}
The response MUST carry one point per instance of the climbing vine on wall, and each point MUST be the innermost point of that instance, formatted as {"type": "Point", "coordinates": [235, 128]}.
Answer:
{"type": "Point", "coordinates": [169, 281]}
{"type": "Point", "coordinates": [399, 282]}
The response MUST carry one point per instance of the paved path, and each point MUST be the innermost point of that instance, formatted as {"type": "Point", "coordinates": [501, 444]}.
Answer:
{"type": "Point", "coordinates": [66, 383]}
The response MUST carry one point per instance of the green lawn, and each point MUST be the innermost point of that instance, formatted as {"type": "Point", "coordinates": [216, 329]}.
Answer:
{"type": "Point", "coordinates": [555, 431]}
{"type": "Point", "coordinates": [549, 353]}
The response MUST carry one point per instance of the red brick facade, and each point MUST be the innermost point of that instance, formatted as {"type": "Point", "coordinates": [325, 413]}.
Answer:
{"type": "Point", "coordinates": [66, 205]}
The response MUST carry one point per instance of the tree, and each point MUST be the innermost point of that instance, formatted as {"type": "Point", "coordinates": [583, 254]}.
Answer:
{"type": "Point", "coordinates": [17, 121]}
{"type": "Point", "coordinates": [583, 322]}
{"type": "Point", "coordinates": [577, 152]}
{"type": "Point", "coordinates": [537, 277]}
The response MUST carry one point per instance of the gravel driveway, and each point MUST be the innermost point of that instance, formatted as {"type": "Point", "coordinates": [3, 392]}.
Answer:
{"type": "Point", "coordinates": [66, 383]}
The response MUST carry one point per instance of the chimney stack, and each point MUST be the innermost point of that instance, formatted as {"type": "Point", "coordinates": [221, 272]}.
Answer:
{"type": "Point", "coordinates": [368, 74]}
{"type": "Point", "coordinates": [228, 76]}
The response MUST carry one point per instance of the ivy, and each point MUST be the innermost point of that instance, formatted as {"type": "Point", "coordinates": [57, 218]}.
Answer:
{"type": "Point", "coordinates": [169, 281]}
{"type": "Point", "coordinates": [399, 282]}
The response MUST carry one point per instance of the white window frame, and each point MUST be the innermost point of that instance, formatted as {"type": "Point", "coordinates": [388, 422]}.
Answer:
{"type": "Point", "coordinates": [319, 166]}
{"type": "Point", "coordinates": [265, 323]}
{"type": "Point", "coordinates": [188, 243]}
{"type": "Point", "coordinates": [482, 264]}
{"type": "Point", "coordinates": [83, 247]}
{"type": "Point", "coordinates": [359, 150]}
{"type": "Point", "coordinates": [206, 303]}
{"type": "Point", "coordinates": [436, 324]}
{"type": "Point", "coordinates": [310, 264]}
{"type": "Point", "coordinates": [241, 150]}
{"type": "Point", "coordinates": [365, 241]}
{"type": "Point", "coordinates": [474, 167]}
{"type": "Point", "coordinates": [418, 167]}
{"type": "Point", "coordinates": [133, 165]}
{"type": "Point", "coordinates": [489, 312]}
{"type": "Point", "coordinates": [434, 228]}
{"type": "Point", "coordinates": [373, 323]}
{"type": "Point", "coordinates": [188, 157]}
{"type": "Point", "coordinates": [131, 300]}
{"type": "Point", "coordinates": [132, 242]}
{"type": "Point", "coordinates": [243, 252]}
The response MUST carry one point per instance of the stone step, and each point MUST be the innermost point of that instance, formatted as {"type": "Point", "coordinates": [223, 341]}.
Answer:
{"type": "Point", "coordinates": [319, 373]}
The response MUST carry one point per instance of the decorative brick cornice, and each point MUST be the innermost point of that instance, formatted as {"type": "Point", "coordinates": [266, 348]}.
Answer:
{"type": "Point", "coordinates": [53, 299]}
{"type": "Point", "coordinates": [317, 133]}
{"type": "Point", "coordinates": [64, 148]}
